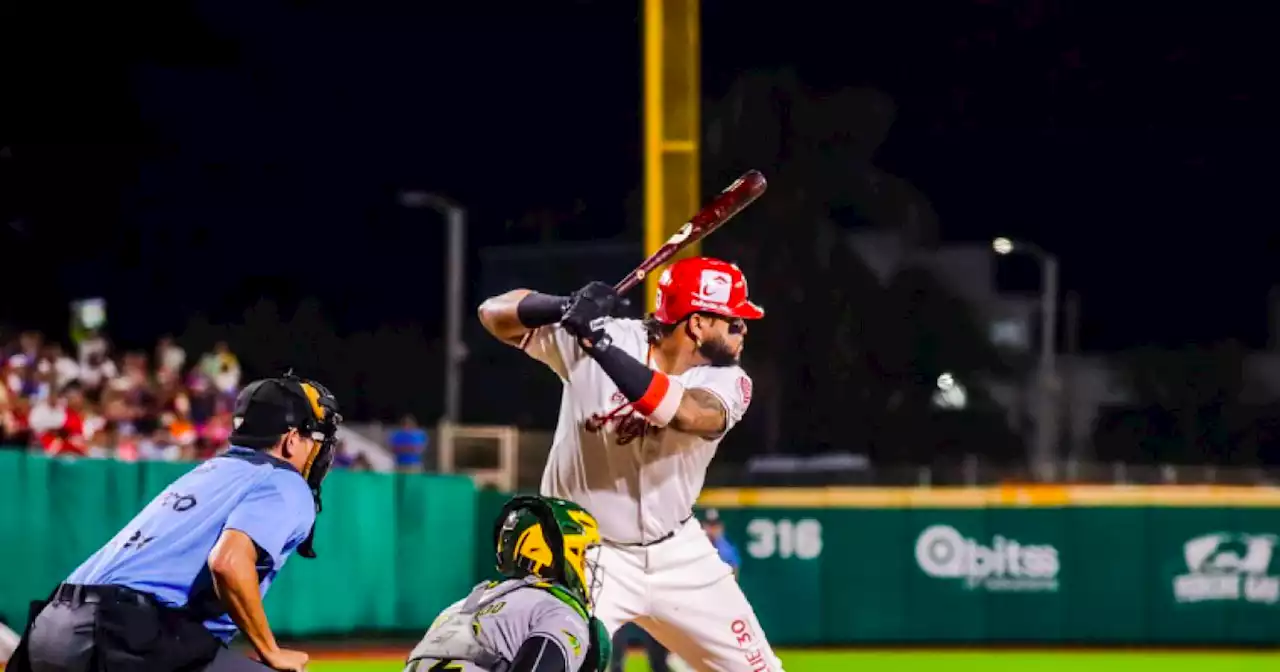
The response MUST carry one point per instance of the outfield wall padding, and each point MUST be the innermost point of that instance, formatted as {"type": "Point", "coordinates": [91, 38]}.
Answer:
{"type": "Point", "coordinates": [830, 567]}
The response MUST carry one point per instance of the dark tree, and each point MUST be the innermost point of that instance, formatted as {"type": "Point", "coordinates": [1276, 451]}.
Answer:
{"type": "Point", "coordinates": [1196, 392]}
{"type": "Point", "coordinates": [847, 359]}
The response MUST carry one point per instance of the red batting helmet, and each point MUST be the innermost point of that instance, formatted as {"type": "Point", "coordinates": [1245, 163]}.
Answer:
{"type": "Point", "coordinates": [703, 285]}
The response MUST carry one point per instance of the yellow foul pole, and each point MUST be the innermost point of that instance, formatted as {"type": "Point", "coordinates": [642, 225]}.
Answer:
{"type": "Point", "coordinates": [672, 124]}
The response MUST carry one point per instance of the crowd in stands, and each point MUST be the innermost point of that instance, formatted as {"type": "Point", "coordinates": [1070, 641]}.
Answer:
{"type": "Point", "coordinates": [94, 402]}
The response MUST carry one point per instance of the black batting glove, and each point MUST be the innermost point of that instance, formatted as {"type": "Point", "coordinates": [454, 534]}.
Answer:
{"type": "Point", "coordinates": [587, 308]}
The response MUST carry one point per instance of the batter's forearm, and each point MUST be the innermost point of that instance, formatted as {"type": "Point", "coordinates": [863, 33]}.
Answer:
{"type": "Point", "coordinates": [652, 393]}
{"type": "Point", "coordinates": [232, 564]}
{"type": "Point", "coordinates": [511, 315]}
{"type": "Point", "coordinates": [662, 400]}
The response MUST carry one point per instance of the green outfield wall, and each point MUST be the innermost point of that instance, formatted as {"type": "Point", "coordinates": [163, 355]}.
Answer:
{"type": "Point", "coordinates": [841, 566]}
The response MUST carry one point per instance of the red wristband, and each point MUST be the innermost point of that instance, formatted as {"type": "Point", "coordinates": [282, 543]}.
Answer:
{"type": "Point", "coordinates": [661, 399]}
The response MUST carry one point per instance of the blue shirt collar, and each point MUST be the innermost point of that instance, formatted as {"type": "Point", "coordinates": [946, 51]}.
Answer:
{"type": "Point", "coordinates": [258, 457]}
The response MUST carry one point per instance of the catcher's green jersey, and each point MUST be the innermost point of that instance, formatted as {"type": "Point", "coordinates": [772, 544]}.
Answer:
{"type": "Point", "coordinates": [485, 630]}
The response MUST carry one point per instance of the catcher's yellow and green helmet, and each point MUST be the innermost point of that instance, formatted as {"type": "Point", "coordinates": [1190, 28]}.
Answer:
{"type": "Point", "coordinates": [554, 539]}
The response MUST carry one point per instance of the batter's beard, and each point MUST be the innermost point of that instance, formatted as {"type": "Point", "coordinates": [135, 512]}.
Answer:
{"type": "Point", "coordinates": [718, 353]}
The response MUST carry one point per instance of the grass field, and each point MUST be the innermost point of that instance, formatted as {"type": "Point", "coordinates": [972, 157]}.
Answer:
{"type": "Point", "coordinates": [929, 661]}
{"type": "Point", "coordinates": [950, 661]}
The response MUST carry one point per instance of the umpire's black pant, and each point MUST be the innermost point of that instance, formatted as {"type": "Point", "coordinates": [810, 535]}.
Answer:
{"type": "Point", "coordinates": [115, 629]}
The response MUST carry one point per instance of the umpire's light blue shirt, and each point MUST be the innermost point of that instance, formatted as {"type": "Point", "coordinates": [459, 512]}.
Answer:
{"type": "Point", "coordinates": [165, 549]}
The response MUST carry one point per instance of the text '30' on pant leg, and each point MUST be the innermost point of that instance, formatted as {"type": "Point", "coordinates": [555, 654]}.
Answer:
{"type": "Point", "coordinates": [700, 607]}
{"type": "Point", "coordinates": [717, 631]}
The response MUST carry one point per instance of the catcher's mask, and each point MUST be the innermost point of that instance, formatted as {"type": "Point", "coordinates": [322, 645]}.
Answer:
{"type": "Point", "coordinates": [554, 539]}
{"type": "Point", "coordinates": [269, 408]}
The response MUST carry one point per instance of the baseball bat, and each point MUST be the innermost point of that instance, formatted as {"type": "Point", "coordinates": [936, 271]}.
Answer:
{"type": "Point", "coordinates": [728, 203]}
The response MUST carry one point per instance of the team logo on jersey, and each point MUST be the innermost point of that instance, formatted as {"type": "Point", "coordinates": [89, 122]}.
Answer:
{"type": "Point", "coordinates": [627, 425]}
{"type": "Point", "coordinates": [573, 642]}
{"type": "Point", "coordinates": [744, 386]}
{"type": "Point", "coordinates": [626, 428]}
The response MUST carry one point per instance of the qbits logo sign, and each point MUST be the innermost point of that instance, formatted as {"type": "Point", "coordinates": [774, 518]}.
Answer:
{"type": "Point", "coordinates": [1004, 565]}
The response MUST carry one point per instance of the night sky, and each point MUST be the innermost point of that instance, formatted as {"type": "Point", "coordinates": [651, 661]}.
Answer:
{"type": "Point", "coordinates": [180, 157]}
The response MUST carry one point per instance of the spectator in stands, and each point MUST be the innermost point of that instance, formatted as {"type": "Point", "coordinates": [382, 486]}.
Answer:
{"type": "Point", "coordinates": [214, 429]}
{"type": "Point", "coordinates": [409, 443]}
{"type": "Point", "coordinates": [96, 407]}
{"type": "Point", "coordinates": [55, 368]}
{"type": "Point", "coordinates": [170, 358]}
{"type": "Point", "coordinates": [14, 411]}
{"type": "Point", "coordinates": [223, 368]}
{"type": "Point", "coordinates": [134, 406]}
{"type": "Point", "coordinates": [95, 370]}
{"type": "Point", "coordinates": [104, 444]}
{"type": "Point", "coordinates": [57, 422]}
{"type": "Point", "coordinates": [345, 458]}
{"type": "Point", "coordinates": [14, 424]}
{"type": "Point", "coordinates": [90, 343]}
{"type": "Point", "coordinates": [161, 446]}
{"type": "Point", "coordinates": [29, 344]}
{"type": "Point", "coordinates": [20, 375]}
{"type": "Point", "coordinates": [128, 445]}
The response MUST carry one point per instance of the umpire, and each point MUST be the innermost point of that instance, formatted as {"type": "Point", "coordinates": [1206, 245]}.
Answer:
{"type": "Point", "coordinates": [190, 571]}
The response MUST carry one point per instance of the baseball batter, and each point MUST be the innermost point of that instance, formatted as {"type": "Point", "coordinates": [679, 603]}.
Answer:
{"type": "Point", "coordinates": [645, 404]}
{"type": "Point", "coordinates": [539, 619]}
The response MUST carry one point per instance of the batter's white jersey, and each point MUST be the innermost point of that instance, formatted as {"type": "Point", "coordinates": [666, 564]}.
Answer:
{"type": "Point", "coordinates": [639, 481]}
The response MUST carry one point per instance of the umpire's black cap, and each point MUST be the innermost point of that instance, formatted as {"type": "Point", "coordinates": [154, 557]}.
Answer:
{"type": "Point", "coordinates": [266, 409]}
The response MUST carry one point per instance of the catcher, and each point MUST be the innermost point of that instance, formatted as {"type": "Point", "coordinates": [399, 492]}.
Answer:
{"type": "Point", "coordinates": [540, 618]}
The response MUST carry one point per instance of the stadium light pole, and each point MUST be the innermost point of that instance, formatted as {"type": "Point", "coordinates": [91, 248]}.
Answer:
{"type": "Point", "coordinates": [455, 350]}
{"type": "Point", "coordinates": [1044, 452]}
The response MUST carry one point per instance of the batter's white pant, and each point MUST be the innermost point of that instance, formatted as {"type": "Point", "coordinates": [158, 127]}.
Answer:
{"type": "Point", "coordinates": [683, 594]}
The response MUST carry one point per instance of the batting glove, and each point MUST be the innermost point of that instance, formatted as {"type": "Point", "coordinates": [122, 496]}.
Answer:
{"type": "Point", "coordinates": [588, 308]}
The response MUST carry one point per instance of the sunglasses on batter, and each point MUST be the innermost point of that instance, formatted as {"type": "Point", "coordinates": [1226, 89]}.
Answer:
{"type": "Point", "coordinates": [737, 325]}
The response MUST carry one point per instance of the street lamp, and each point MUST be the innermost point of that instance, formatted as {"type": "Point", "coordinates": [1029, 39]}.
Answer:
{"type": "Point", "coordinates": [1044, 451]}
{"type": "Point", "coordinates": [455, 350]}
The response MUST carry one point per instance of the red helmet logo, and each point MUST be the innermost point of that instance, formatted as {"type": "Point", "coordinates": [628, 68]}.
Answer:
{"type": "Point", "coordinates": [716, 286]}
{"type": "Point", "coordinates": [703, 284]}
